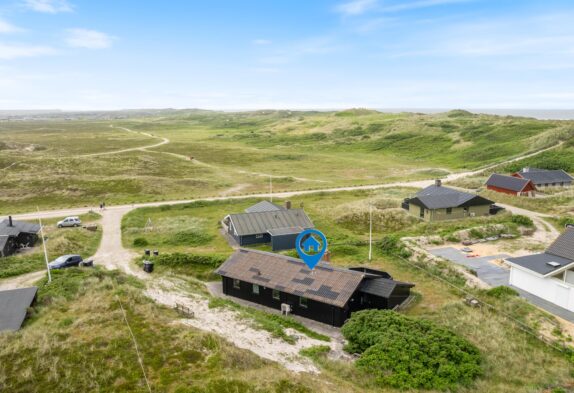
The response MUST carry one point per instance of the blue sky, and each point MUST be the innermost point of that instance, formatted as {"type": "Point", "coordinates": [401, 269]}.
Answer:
{"type": "Point", "coordinates": [216, 54]}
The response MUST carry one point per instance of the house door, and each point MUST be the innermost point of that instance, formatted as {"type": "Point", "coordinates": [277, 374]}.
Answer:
{"type": "Point", "coordinates": [562, 295]}
{"type": "Point", "coordinates": [422, 212]}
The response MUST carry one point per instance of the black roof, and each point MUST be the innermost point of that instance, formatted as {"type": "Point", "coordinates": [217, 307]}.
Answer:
{"type": "Point", "coordinates": [263, 222]}
{"type": "Point", "coordinates": [17, 228]}
{"type": "Point", "coordinates": [264, 206]}
{"type": "Point", "coordinates": [507, 182]}
{"type": "Point", "coordinates": [564, 245]}
{"type": "Point", "coordinates": [382, 287]}
{"type": "Point", "coordinates": [544, 176]}
{"type": "Point", "coordinates": [541, 263]}
{"type": "Point", "coordinates": [285, 231]}
{"type": "Point", "coordinates": [556, 257]}
{"type": "Point", "coordinates": [325, 283]}
{"type": "Point", "coordinates": [440, 197]}
{"type": "Point", "coordinates": [13, 307]}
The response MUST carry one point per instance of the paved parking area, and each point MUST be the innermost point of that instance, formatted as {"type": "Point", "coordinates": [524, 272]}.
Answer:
{"type": "Point", "coordinates": [495, 275]}
{"type": "Point", "coordinates": [487, 271]}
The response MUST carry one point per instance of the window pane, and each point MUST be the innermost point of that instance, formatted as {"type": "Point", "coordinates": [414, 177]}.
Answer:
{"type": "Point", "coordinates": [256, 289]}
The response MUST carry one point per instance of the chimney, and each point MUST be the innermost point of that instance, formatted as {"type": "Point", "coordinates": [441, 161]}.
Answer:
{"type": "Point", "coordinates": [526, 169]}
{"type": "Point", "coordinates": [438, 182]}
{"type": "Point", "coordinates": [287, 205]}
{"type": "Point", "coordinates": [10, 224]}
{"type": "Point", "coordinates": [327, 256]}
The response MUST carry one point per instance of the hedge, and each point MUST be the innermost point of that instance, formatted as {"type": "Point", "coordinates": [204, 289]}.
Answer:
{"type": "Point", "coordinates": [409, 353]}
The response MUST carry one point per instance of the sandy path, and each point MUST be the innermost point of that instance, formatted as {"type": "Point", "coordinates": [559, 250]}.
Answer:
{"type": "Point", "coordinates": [22, 281]}
{"type": "Point", "coordinates": [229, 325]}
{"type": "Point", "coordinates": [163, 142]}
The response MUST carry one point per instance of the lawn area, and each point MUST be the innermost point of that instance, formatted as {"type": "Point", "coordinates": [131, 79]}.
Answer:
{"type": "Point", "coordinates": [237, 152]}
{"type": "Point", "coordinates": [343, 217]}
{"type": "Point", "coordinates": [59, 242]}
{"type": "Point", "coordinates": [77, 332]}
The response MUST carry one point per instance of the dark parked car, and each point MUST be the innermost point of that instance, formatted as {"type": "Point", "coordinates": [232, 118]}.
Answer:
{"type": "Point", "coordinates": [65, 261]}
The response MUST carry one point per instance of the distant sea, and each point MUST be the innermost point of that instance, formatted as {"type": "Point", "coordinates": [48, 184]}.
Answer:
{"type": "Point", "coordinates": [542, 114]}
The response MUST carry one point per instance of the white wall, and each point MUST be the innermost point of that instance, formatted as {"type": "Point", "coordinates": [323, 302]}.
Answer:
{"type": "Point", "coordinates": [550, 289]}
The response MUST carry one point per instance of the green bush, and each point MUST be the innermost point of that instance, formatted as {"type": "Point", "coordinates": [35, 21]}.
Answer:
{"type": "Point", "coordinates": [140, 242]}
{"type": "Point", "coordinates": [522, 220]}
{"type": "Point", "coordinates": [186, 260]}
{"type": "Point", "coordinates": [501, 292]}
{"type": "Point", "coordinates": [408, 353]}
{"type": "Point", "coordinates": [392, 245]}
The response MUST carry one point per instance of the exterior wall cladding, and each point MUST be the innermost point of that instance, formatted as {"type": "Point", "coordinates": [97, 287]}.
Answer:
{"type": "Point", "coordinates": [281, 242]}
{"type": "Point", "coordinates": [456, 212]}
{"type": "Point", "coordinates": [318, 311]}
{"type": "Point", "coordinates": [325, 313]}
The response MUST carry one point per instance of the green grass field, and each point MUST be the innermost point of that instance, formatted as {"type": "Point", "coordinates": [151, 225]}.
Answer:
{"type": "Point", "coordinates": [343, 218]}
{"type": "Point", "coordinates": [41, 165]}
{"type": "Point", "coordinates": [59, 242]}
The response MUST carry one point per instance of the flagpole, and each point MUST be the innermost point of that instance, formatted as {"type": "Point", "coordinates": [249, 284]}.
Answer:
{"type": "Point", "coordinates": [370, 231]}
{"type": "Point", "coordinates": [271, 188]}
{"type": "Point", "coordinates": [44, 245]}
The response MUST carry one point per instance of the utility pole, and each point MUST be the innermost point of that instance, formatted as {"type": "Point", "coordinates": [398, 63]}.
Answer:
{"type": "Point", "coordinates": [370, 231]}
{"type": "Point", "coordinates": [271, 188]}
{"type": "Point", "coordinates": [44, 244]}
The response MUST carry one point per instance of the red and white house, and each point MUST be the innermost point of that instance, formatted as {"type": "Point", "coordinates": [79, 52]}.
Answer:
{"type": "Point", "coordinates": [511, 185]}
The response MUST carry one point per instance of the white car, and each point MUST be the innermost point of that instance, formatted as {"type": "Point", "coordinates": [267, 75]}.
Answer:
{"type": "Point", "coordinates": [69, 222]}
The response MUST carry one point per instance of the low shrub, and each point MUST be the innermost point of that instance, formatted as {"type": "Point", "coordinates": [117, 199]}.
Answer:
{"type": "Point", "coordinates": [140, 242]}
{"type": "Point", "coordinates": [501, 292]}
{"type": "Point", "coordinates": [392, 245]}
{"type": "Point", "coordinates": [408, 353]}
{"type": "Point", "coordinates": [522, 220]}
{"type": "Point", "coordinates": [185, 260]}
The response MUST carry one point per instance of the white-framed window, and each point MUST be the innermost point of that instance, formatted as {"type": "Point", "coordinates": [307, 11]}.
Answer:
{"type": "Point", "coordinates": [276, 294]}
{"type": "Point", "coordinates": [256, 289]}
{"type": "Point", "coordinates": [236, 283]}
{"type": "Point", "coordinates": [259, 236]}
{"type": "Point", "coordinates": [303, 302]}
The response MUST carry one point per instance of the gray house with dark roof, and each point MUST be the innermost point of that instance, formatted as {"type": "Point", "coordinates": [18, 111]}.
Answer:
{"type": "Point", "coordinates": [268, 223]}
{"type": "Point", "coordinates": [16, 234]}
{"type": "Point", "coordinates": [326, 294]}
{"type": "Point", "coordinates": [439, 203]}
{"type": "Point", "coordinates": [545, 177]}
{"type": "Point", "coordinates": [548, 275]}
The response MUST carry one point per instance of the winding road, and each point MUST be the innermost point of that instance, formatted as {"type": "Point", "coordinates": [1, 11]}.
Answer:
{"type": "Point", "coordinates": [112, 254]}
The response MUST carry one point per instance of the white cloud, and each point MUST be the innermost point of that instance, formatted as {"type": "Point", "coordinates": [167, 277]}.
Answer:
{"type": "Point", "coordinates": [49, 6]}
{"type": "Point", "coordinates": [356, 7]}
{"type": "Point", "coordinates": [10, 52]}
{"type": "Point", "coordinates": [6, 27]}
{"type": "Point", "coordinates": [419, 4]}
{"type": "Point", "coordinates": [91, 39]}
{"type": "Point", "coordinates": [261, 41]}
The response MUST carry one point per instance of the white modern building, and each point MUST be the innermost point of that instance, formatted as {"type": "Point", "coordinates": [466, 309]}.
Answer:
{"type": "Point", "coordinates": [549, 275]}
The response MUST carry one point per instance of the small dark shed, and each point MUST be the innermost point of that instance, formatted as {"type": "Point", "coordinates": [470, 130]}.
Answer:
{"type": "Point", "coordinates": [326, 294]}
{"type": "Point", "coordinates": [16, 234]}
{"type": "Point", "coordinates": [14, 305]}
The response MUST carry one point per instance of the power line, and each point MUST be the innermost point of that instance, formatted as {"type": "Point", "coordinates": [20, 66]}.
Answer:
{"type": "Point", "coordinates": [134, 341]}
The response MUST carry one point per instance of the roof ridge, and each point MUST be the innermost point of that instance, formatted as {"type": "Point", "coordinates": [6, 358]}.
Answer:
{"type": "Point", "coordinates": [299, 260]}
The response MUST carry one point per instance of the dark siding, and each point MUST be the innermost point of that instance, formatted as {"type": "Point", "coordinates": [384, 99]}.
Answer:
{"type": "Point", "coordinates": [9, 248]}
{"type": "Point", "coordinates": [253, 239]}
{"type": "Point", "coordinates": [315, 310]}
{"type": "Point", "coordinates": [283, 242]}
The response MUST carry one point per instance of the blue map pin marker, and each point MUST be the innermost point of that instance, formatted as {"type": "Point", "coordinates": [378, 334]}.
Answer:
{"type": "Point", "coordinates": [311, 244]}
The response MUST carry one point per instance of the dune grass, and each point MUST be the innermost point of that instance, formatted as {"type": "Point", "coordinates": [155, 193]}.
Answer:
{"type": "Point", "coordinates": [235, 153]}
{"type": "Point", "coordinates": [58, 242]}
